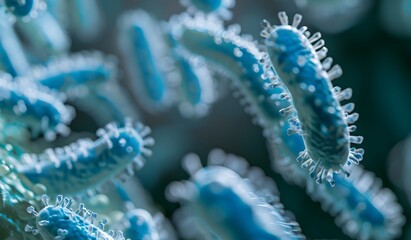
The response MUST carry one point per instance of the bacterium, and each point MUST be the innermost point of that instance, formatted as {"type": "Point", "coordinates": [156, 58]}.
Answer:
{"type": "Point", "coordinates": [12, 57]}
{"type": "Point", "coordinates": [363, 209]}
{"type": "Point", "coordinates": [32, 108]}
{"type": "Point", "coordinates": [145, 52]}
{"type": "Point", "coordinates": [231, 200]}
{"type": "Point", "coordinates": [197, 87]}
{"type": "Point", "coordinates": [84, 166]}
{"type": "Point", "coordinates": [238, 58]}
{"type": "Point", "coordinates": [58, 221]}
{"type": "Point", "coordinates": [88, 79]}
{"type": "Point", "coordinates": [320, 119]}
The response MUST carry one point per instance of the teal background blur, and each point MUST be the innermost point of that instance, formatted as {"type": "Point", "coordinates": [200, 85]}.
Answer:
{"type": "Point", "coordinates": [376, 62]}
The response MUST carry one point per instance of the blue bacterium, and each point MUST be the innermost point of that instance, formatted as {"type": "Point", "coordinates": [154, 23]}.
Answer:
{"type": "Point", "coordinates": [12, 57]}
{"type": "Point", "coordinates": [321, 120]}
{"type": "Point", "coordinates": [238, 58]}
{"type": "Point", "coordinates": [363, 209]}
{"type": "Point", "coordinates": [231, 200]}
{"type": "Point", "coordinates": [197, 86]}
{"type": "Point", "coordinates": [59, 221]}
{"type": "Point", "coordinates": [45, 35]}
{"type": "Point", "coordinates": [218, 7]}
{"type": "Point", "coordinates": [85, 19]}
{"type": "Point", "coordinates": [33, 108]}
{"type": "Point", "coordinates": [82, 167]}
{"type": "Point", "coordinates": [88, 79]}
{"type": "Point", "coordinates": [146, 56]}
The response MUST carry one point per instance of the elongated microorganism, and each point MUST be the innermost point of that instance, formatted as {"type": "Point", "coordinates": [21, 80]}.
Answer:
{"type": "Point", "coordinates": [83, 166]}
{"type": "Point", "coordinates": [211, 7]}
{"type": "Point", "coordinates": [12, 57]}
{"type": "Point", "coordinates": [196, 85]}
{"type": "Point", "coordinates": [89, 79]}
{"type": "Point", "coordinates": [147, 60]}
{"type": "Point", "coordinates": [85, 19]}
{"type": "Point", "coordinates": [320, 119]}
{"type": "Point", "coordinates": [363, 209]}
{"type": "Point", "coordinates": [59, 221]}
{"type": "Point", "coordinates": [238, 58]}
{"type": "Point", "coordinates": [232, 201]}
{"type": "Point", "coordinates": [45, 35]}
{"type": "Point", "coordinates": [33, 109]}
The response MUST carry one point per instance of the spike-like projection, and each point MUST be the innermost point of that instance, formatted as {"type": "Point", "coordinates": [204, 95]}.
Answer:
{"type": "Point", "coordinates": [146, 56]}
{"type": "Point", "coordinates": [59, 221]}
{"type": "Point", "coordinates": [89, 79]}
{"type": "Point", "coordinates": [321, 120]}
{"type": "Point", "coordinates": [231, 200]}
{"type": "Point", "coordinates": [82, 167]}
{"type": "Point", "coordinates": [196, 83]}
{"type": "Point", "coordinates": [215, 7]}
{"type": "Point", "coordinates": [12, 57]}
{"type": "Point", "coordinates": [363, 209]}
{"type": "Point", "coordinates": [238, 58]}
{"type": "Point", "coordinates": [33, 109]}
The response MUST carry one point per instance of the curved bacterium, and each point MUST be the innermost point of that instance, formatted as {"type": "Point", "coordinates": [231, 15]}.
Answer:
{"type": "Point", "coordinates": [59, 221]}
{"type": "Point", "coordinates": [231, 200]}
{"type": "Point", "coordinates": [215, 7]}
{"type": "Point", "coordinates": [88, 79]}
{"type": "Point", "coordinates": [197, 86]}
{"type": "Point", "coordinates": [363, 209]}
{"type": "Point", "coordinates": [44, 34]}
{"type": "Point", "coordinates": [12, 57]}
{"type": "Point", "coordinates": [33, 108]}
{"type": "Point", "coordinates": [321, 120]}
{"type": "Point", "coordinates": [83, 166]}
{"type": "Point", "coordinates": [146, 56]}
{"type": "Point", "coordinates": [238, 58]}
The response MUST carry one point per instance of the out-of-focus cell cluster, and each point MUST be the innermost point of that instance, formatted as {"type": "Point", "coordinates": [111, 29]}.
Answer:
{"type": "Point", "coordinates": [82, 81]}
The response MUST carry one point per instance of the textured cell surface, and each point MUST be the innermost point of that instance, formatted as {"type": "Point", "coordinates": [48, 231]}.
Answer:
{"type": "Point", "coordinates": [233, 205]}
{"type": "Point", "coordinates": [320, 118]}
{"type": "Point", "coordinates": [85, 165]}
{"type": "Point", "coordinates": [145, 53]}
{"type": "Point", "coordinates": [240, 60]}
{"type": "Point", "coordinates": [363, 209]}
{"type": "Point", "coordinates": [58, 221]}
{"type": "Point", "coordinates": [88, 79]}
{"type": "Point", "coordinates": [32, 108]}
